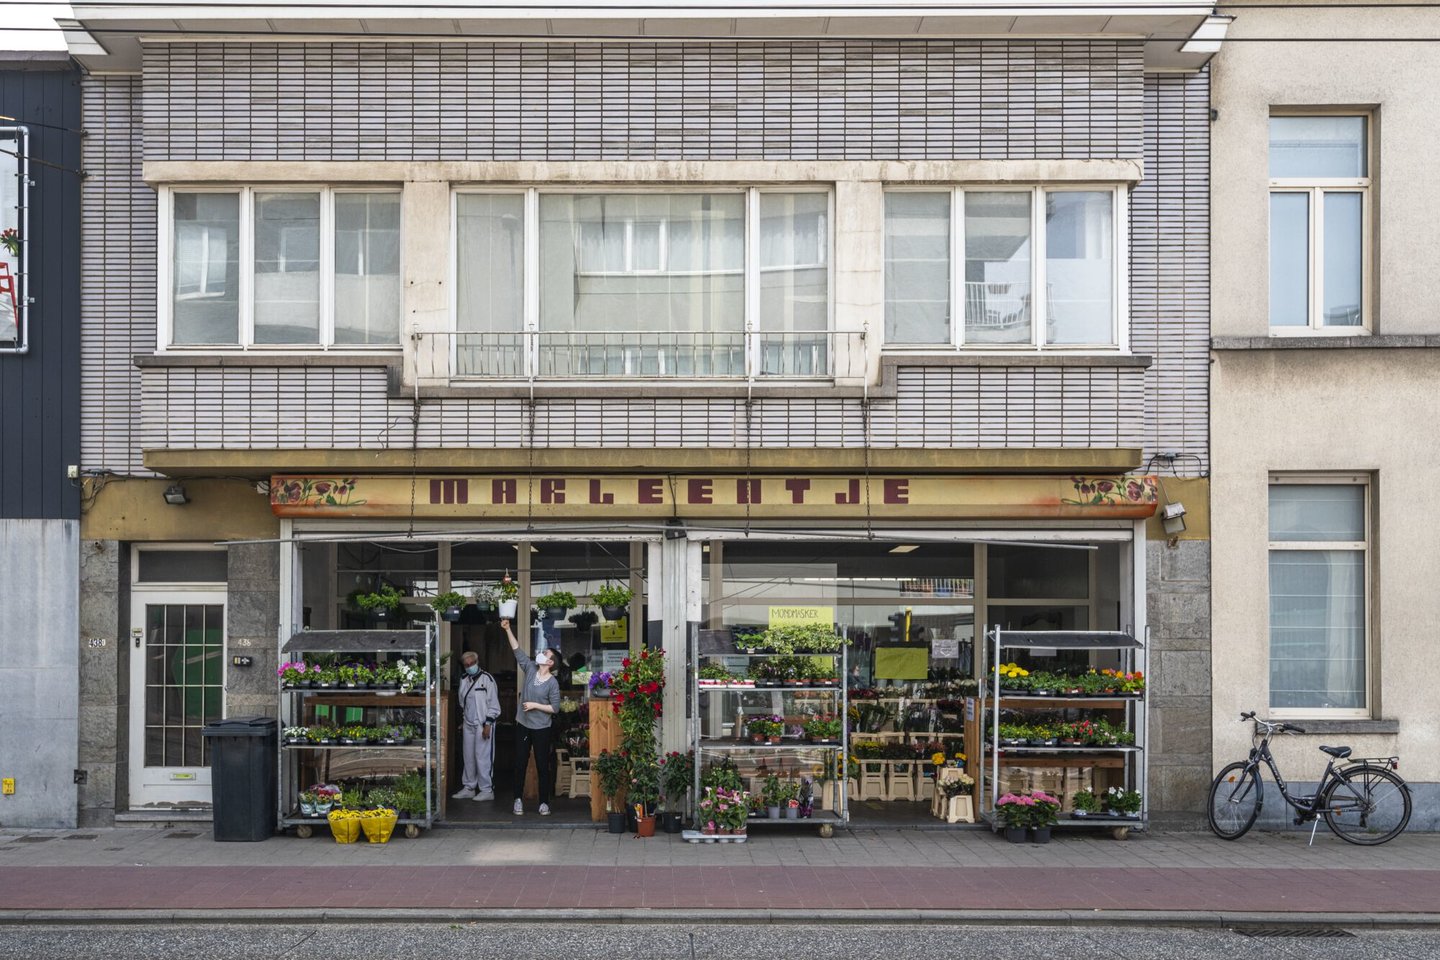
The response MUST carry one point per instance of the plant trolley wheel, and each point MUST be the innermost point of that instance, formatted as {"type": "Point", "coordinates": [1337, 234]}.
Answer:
{"type": "Point", "coordinates": [1120, 833]}
{"type": "Point", "coordinates": [827, 830]}
{"type": "Point", "coordinates": [304, 831]}
{"type": "Point", "coordinates": [412, 830]}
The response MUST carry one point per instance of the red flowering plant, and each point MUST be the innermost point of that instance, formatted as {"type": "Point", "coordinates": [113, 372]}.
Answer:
{"type": "Point", "coordinates": [635, 696]}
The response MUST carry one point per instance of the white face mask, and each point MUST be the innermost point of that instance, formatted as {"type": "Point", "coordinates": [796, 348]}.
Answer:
{"type": "Point", "coordinates": [542, 661]}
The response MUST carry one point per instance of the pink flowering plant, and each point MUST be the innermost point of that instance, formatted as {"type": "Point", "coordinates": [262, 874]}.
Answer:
{"type": "Point", "coordinates": [1032, 809]}
{"type": "Point", "coordinates": [293, 674]}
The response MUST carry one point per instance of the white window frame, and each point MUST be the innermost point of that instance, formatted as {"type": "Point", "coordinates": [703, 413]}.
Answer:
{"type": "Point", "coordinates": [1366, 549]}
{"type": "Point", "coordinates": [530, 311]}
{"type": "Point", "coordinates": [1316, 188]}
{"type": "Point", "coordinates": [1120, 260]}
{"type": "Point", "coordinates": [246, 306]}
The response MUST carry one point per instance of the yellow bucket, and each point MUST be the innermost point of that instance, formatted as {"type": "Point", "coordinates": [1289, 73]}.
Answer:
{"type": "Point", "coordinates": [345, 825]}
{"type": "Point", "coordinates": [378, 824]}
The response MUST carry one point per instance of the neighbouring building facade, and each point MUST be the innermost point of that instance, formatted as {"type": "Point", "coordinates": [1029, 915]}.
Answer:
{"type": "Point", "coordinates": [1324, 390]}
{"type": "Point", "coordinates": [40, 650]}
{"type": "Point", "coordinates": [876, 312]}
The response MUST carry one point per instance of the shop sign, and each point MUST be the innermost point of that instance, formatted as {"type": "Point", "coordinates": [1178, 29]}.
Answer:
{"type": "Point", "coordinates": [801, 616]}
{"type": "Point", "coordinates": [811, 496]}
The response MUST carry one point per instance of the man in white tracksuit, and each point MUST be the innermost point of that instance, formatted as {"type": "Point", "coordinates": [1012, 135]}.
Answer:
{"type": "Point", "coordinates": [480, 708]}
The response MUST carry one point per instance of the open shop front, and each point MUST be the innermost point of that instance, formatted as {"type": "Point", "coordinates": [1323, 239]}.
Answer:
{"type": "Point", "coordinates": [913, 587]}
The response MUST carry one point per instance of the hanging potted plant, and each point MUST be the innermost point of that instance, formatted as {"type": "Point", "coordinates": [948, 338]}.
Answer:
{"type": "Point", "coordinates": [613, 769]}
{"type": "Point", "coordinates": [485, 597]}
{"type": "Point", "coordinates": [448, 605]}
{"type": "Point", "coordinates": [381, 603]}
{"type": "Point", "coordinates": [506, 592]}
{"type": "Point", "coordinates": [555, 604]}
{"type": "Point", "coordinates": [613, 600]}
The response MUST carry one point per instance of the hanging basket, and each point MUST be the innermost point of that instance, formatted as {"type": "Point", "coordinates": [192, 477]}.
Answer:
{"type": "Point", "coordinates": [613, 613]}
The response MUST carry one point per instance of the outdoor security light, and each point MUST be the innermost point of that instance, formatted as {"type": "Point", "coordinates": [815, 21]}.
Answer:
{"type": "Point", "coordinates": [175, 495]}
{"type": "Point", "coordinates": [1172, 518]}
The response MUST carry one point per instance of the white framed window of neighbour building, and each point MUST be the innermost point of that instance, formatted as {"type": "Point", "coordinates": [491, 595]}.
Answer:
{"type": "Point", "coordinates": [699, 282]}
{"type": "Point", "coordinates": [1320, 596]}
{"type": "Point", "coordinates": [1007, 269]}
{"type": "Point", "coordinates": [1319, 224]}
{"type": "Point", "coordinates": [292, 267]}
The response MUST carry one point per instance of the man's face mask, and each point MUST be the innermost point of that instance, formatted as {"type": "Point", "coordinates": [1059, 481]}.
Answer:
{"type": "Point", "coordinates": [473, 669]}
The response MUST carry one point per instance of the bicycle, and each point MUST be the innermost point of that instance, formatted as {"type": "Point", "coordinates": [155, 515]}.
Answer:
{"type": "Point", "coordinates": [1364, 802]}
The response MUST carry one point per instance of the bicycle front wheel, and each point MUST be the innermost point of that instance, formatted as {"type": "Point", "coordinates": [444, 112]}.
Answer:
{"type": "Point", "coordinates": [1367, 805]}
{"type": "Point", "coordinates": [1235, 799]}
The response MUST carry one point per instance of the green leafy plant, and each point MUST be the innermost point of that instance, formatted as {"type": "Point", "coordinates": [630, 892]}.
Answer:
{"type": "Point", "coordinates": [409, 791]}
{"type": "Point", "coordinates": [677, 772]}
{"type": "Point", "coordinates": [612, 595]}
{"type": "Point", "coordinates": [824, 727]}
{"type": "Point", "coordinates": [1121, 800]}
{"type": "Point", "coordinates": [770, 793]}
{"type": "Point", "coordinates": [556, 600]}
{"type": "Point", "coordinates": [644, 793]}
{"type": "Point", "coordinates": [722, 775]}
{"type": "Point", "coordinates": [714, 671]}
{"type": "Point", "coordinates": [1085, 801]}
{"type": "Point", "coordinates": [613, 769]}
{"type": "Point", "coordinates": [447, 600]}
{"type": "Point", "coordinates": [354, 673]}
{"type": "Point", "coordinates": [485, 595]}
{"type": "Point", "coordinates": [385, 598]}
{"type": "Point", "coordinates": [804, 638]}
{"type": "Point", "coordinates": [506, 588]}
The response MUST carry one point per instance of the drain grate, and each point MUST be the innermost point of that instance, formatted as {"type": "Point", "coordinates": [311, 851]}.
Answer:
{"type": "Point", "coordinates": [81, 836]}
{"type": "Point", "coordinates": [33, 839]}
{"type": "Point", "coordinates": [1296, 930]}
{"type": "Point", "coordinates": [180, 835]}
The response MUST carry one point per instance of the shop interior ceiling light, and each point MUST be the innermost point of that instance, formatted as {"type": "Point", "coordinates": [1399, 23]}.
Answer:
{"type": "Point", "coordinates": [905, 548]}
{"type": "Point", "coordinates": [175, 495]}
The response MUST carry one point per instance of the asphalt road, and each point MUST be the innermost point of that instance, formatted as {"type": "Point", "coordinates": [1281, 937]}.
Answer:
{"type": "Point", "coordinates": [344, 941]}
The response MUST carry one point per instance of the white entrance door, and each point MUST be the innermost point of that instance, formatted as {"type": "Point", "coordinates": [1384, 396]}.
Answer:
{"type": "Point", "coordinates": [177, 686]}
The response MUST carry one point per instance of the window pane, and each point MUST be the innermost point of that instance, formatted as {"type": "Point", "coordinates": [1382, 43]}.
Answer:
{"type": "Point", "coordinates": [490, 283]}
{"type": "Point", "coordinates": [1317, 628]}
{"type": "Point", "coordinates": [367, 267]}
{"type": "Point", "coordinates": [997, 268]}
{"type": "Point", "coordinates": [1317, 511]}
{"type": "Point", "coordinates": [182, 566]}
{"type": "Point", "coordinates": [206, 268]}
{"type": "Point", "coordinates": [1316, 147]}
{"type": "Point", "coordinates": [1026, 573]}
{"type": "Point", "coordinates": [1342, 260]}
{"type": "Point", "coordinates": [917, 268]}
{"type": "Point", "coordinates": [1289, 259]}
{"type": "Point", "coordinates": [287, 268]}
{"type": "Point", "coordinates": [794, 247]}
{"type": "Point", "coordinates": [642, 285]}
{"type": "Point", "coordinates": [1079, 268]}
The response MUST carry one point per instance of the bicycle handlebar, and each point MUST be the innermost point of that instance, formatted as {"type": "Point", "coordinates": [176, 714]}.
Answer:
{"type": "Point", "coordinates": [1272, 726]}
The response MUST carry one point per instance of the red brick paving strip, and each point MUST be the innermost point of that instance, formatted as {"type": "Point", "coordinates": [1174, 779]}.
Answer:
{"type": "Point", "coordinates": [721, 887]}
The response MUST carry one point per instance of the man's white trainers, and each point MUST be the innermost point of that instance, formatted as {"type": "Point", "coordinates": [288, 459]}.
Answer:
{"type": "Point", "coordinates": [544, 809]}
{"type": "Point", "coordinates": [464, 793]}
{"type": "Point", "coordinates": [519, 807]}
{"type": "Point", "coordinates": [487, 795]}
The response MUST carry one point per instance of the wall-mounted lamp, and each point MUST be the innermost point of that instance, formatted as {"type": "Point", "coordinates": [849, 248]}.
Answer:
{"type": "Point", "coordinates": [175, 495]}
{"type": "Point", "coordinates": [1172, 518]}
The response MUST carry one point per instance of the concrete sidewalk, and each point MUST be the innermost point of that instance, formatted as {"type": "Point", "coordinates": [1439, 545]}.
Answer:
{"type": "Point", "coordinates": [589, 874]}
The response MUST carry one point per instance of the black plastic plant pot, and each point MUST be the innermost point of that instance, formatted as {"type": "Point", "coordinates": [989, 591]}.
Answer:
{"type": "Point", "coordinates": [671, 823]}
{"type": "Point", "coordinates": [451, 615]}
{"type": "Point", "coordinates": [380, 613]}
{"type": "Point", "coordinates": [554, 613]}
{"type": "Point", "coordinates": [614, 613]}
{"type": "Point", "coordinates": [615, 822]}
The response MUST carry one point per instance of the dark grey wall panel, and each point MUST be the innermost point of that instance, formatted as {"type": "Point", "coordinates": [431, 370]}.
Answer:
{"type": "Point", "coordinates": [40, 391]}
{"type": "Point", "coordinates": [1170, 267]}
{"type": "Point", "coordinates": [856, 99]}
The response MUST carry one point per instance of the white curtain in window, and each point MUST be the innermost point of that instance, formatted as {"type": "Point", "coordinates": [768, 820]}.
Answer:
{"type": "Point", "coordinates": [490, 284]}
{"type": "Point", "coordinates": [367, 267]}
{"type": "Point", "coordinates": [794, 275]}
{"type": "Point", "coordinates": [287, 268]}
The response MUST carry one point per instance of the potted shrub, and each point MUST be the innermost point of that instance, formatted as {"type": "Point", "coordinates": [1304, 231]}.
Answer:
{"type": "Point", "coordinates": [1043, 816]}
{"type": "Point", "coordinates": [1086, 803]}
{"type": "Point", "coordinates": [705, 813]}
{"type": "Point", "coordinates": [770, 796]}
{"type": "Point", "coordinates": [506, 593]}
{"type": "Point", "coordinates": [554, 605]}
{"type": "Point", "coordinates": [612, 599]}
{"type": "Point", "coordinates": [613, 769]}
{"type": "Point", "coordinates": [381, 603]}
{"type": "Point", "coordinates": [677, 772]}
{"type": "Point", "coordinates": [790, 799]}
{"type": "Point", "coordinates": [448, 606]}
{"type": "Point", "coordinates": [644, 794]}
{"type": "Point", "coordinates": [1013, 812]}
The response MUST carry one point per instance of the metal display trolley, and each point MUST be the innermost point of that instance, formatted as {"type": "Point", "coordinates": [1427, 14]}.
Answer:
{"type": "Point", "coordinates": [1130, 760]}
{"type": "Point", "coordinates": [721, 712]}
{"type": "Point", "coordinates": [298, 704]}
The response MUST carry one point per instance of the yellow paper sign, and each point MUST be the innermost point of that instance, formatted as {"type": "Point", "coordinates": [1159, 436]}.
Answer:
{"type": "Point", "coordinates": [902, 663]}
{"type": "Point", "coordinates": [615, 631]}
{"type": "Point", "coordinates": [801, 616]}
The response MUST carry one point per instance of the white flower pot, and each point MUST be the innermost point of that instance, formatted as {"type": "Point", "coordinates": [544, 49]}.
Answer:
{"type": "Point", "coordinates": [508, 608]}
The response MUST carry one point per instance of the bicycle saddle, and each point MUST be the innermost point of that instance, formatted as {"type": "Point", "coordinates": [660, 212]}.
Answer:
{"type": "Point", "coordinates": [1339, 753]}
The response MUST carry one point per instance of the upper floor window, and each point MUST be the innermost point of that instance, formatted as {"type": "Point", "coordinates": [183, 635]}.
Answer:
{"type": "Point", "coordinates": [14, 239]}
{"type": "Point", "coordinates": [1319, 223]}
{"type": "Point", "coordinates": [1035, 268]}
{"type": "Point", "coordinates": [284, 268]}
{"type": "Point", "coordinates": [704, 283]}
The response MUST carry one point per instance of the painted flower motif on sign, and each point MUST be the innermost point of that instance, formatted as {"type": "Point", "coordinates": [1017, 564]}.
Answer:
{"type": "Point", "coordinates": [1112, 491]}
{"type": "Point", "coordinates": [311, 492]}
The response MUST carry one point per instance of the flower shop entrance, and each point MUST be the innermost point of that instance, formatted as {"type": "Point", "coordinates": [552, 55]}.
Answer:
{"type": "Point", "coordinates": [331, 570]}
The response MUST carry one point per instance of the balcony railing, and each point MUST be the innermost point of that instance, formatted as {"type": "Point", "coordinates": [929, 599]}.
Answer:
{"type": "Point", "coordinates": [634, 355]}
